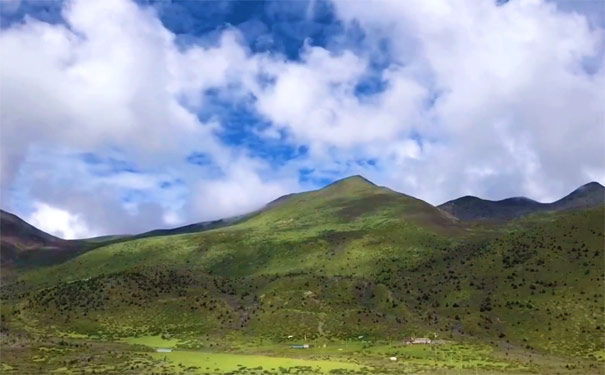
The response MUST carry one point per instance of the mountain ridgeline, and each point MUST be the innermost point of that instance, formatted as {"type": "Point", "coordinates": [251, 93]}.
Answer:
{"type": "Point", "coordinates": [347, 261]}
{"type": "Point", "coordinates": [473, 208]}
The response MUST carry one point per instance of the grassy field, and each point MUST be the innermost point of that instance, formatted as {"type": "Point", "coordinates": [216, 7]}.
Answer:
{"type": "Point", "coordinates": [137, 355]}
{"type": "Point", "coordinates": [352, 269]}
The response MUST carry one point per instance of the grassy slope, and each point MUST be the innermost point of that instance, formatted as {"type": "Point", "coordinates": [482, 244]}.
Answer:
{"type": "Point", "coordinates": [351, 259]}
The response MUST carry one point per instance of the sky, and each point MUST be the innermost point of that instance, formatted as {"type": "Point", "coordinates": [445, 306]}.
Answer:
{"type": "Point", "coordinates": [123, 116]}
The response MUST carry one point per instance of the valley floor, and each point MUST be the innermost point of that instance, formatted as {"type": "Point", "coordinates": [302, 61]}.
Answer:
{"type": "Point", "coordinates": [76, 354]}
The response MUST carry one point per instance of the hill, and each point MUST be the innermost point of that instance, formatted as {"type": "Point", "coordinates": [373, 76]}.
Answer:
{"type": "Point", "coordinates": [473, 208]}
{"type": "Point", "coordinates": [23, 245]}
{"type": "Point", "coordinates": [353, 269]}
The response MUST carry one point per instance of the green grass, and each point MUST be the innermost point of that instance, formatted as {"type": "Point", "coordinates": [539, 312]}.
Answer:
{"type": "Point", "coordinates": [152, 341]}
{"type": "Point", "coordinates": [222, 363]}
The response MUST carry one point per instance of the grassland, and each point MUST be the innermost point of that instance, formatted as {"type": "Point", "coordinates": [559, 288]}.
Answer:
{"type": "Point", "coordinates": [352, 269]}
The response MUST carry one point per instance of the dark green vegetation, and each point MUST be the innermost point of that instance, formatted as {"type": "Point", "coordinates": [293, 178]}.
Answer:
{"type": "Point", "coordinates": [353, 269]}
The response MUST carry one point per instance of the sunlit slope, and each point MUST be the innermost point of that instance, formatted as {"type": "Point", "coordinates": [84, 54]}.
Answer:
{"type": "Point", "coordinates": [353, 201]}
{"type": "Point", "coordinates": [303, 232]}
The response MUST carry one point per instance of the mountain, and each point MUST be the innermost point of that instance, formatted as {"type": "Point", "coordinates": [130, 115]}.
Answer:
{"type": "Point", "coordinates": [589, 195]}
{"type": "Point", "coordinates": [350, 200]}
{"type": "Point", "coordinates": [191, 228]}
{"type": "Point", "coordinates": [473, 208]}
{"type": "Point", "coordinates": [352, 269]}
{"type": "Point", "coordinates": [24, 244]}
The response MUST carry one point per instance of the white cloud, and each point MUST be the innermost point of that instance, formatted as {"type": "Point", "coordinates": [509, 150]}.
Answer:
{"type": "Point", "coordinates": [478, 99]}
{"type": "Point", "coordinates": [172, 218]}
{"type": "Point", "coordinates": [240, 191]}
{"type": "Point", "coordinates": [517, 67]}
{"type": "Point", "coordinates": [114, 77]}
{"type": "Point", "coordinates": [59, 222]}
{"type": "Point", "coordinates": [111, 82]}
{"type": "Point", "coordinates": [316, 101]}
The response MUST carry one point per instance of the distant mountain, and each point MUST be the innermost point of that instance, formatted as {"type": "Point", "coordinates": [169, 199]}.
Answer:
{"type": "Point", "coordinates": [473, 208]}
{"type": "Point", "coordinates": [21, 235]}
{"type": "Point", "coordinates": [22, 244]}
{"type": "Point", "coordinates": [589, 195]}
{"type": "Point", "coordinates": [191, 228]}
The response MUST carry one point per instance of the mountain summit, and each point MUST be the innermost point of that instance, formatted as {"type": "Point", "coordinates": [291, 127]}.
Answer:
{"type": "Point", "coordinates": [355, 180]}
{"type": "Point", "coordinates": [352, 199]}
{"type": "Point", "coordinates": [591, 194]}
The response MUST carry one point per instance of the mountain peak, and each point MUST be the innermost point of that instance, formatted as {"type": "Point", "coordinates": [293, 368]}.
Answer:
{"type": "Point", "coordinates": [355, 180]}
{"type": "Point", "coordinates": [590, 194]}
{"type": "Point", "coordinates": [592, 186]}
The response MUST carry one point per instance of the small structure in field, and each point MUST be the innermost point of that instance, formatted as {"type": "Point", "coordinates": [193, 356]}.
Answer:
{"type": "Point", "coordinates": [394, 359]}
{"type": "Point", "coordinates": [418, 340]}
{"type": "Point", "coordinates": [304, 346]}
{"type": "Point", "coordinates": [163, 350]}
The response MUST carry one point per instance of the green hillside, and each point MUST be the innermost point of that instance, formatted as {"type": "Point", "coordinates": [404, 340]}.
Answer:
{"type": "Point", "coordinates": [353, 269]}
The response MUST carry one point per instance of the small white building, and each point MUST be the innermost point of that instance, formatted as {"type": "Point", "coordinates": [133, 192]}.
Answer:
{"type": "Point", "coordinates": [394, 359]}
{"type": "Point", "coordinates": [418, 340]}
{"type": "Point", "coordinates": [163, 350]}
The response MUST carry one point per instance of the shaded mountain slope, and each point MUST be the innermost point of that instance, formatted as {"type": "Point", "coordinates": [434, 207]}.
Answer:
{"type": "Point", "coordinates": [589, 195]}
{"type": "Point", "coordinates": [190, 228]}
{"type": "Point", "coordinates": [22, 235]}
{"type": "Point", "coordinates": [473, 208]}
{"type": "Point", "coordinates": [22, 244]}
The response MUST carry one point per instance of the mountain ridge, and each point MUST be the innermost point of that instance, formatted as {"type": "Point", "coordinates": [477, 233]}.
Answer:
{"type": "Point", "coordinates": [347, 200]}
{"type": "Point", "coordinates": [472, 208]}
{"type": "Point", "coordinates": [592, 193]}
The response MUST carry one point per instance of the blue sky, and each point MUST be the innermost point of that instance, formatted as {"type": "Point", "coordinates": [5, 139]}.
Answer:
{"type": "Point", "coordinates": [123, 116]}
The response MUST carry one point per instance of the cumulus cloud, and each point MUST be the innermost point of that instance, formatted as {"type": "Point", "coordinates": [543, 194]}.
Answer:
{"type": "Point", "coordinates": [316, 100]}
{"type": "Point", "coordinates": [110, 80]}
{"type": "Point", "coordinates": [119, 82]}
{"type": "Point", "coordinates": [513, 98]}
{"type": "Point", "coordinates": [465, 97]}
{"type": "Point", "coordinates": [58, 222]}
{"type": "Point", "coordinates": [242, 191]}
